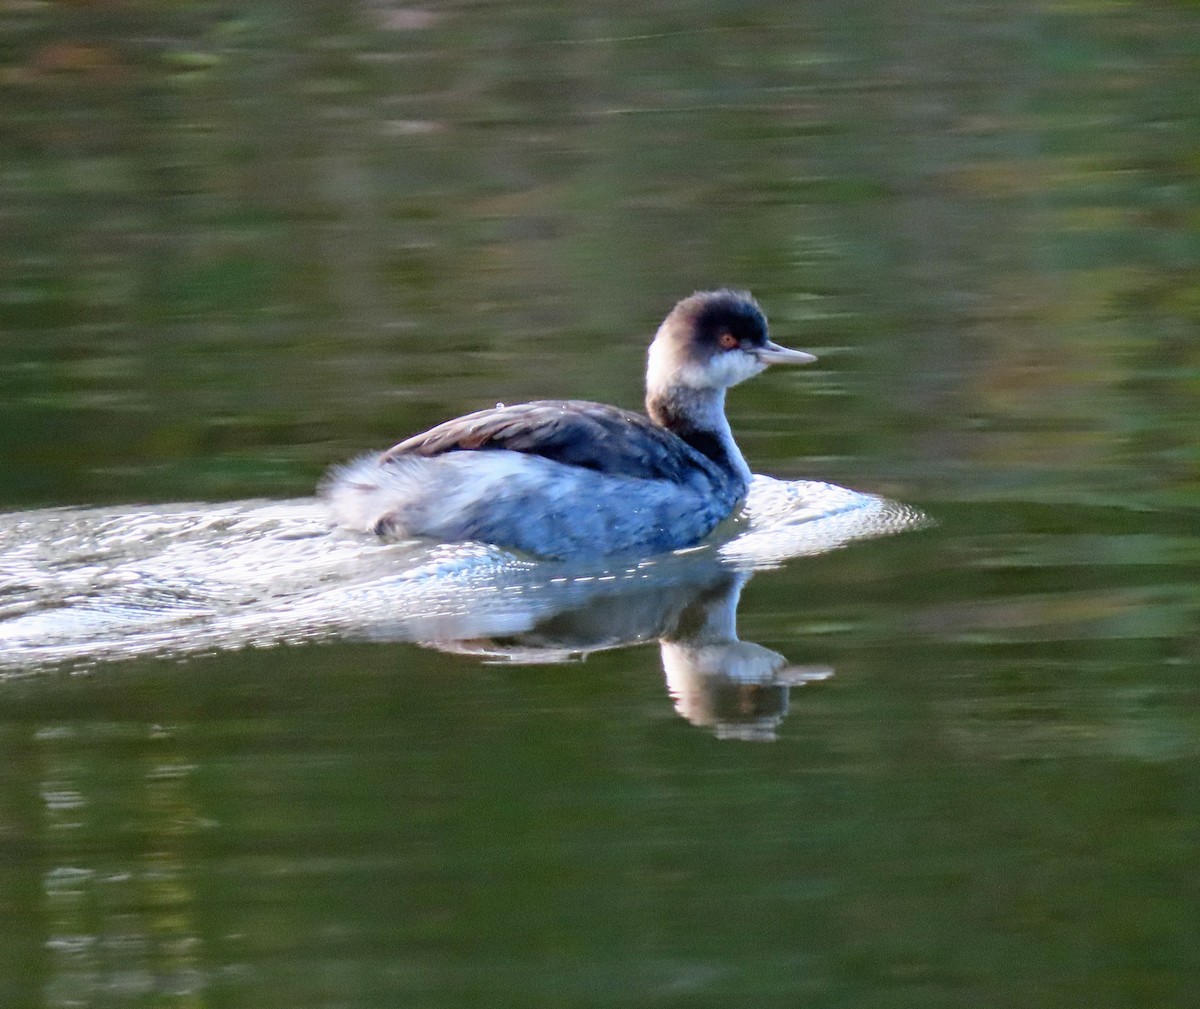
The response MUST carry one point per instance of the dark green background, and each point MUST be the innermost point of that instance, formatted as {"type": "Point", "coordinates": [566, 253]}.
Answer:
{"type": "Point", "coordinates": [239, 242]}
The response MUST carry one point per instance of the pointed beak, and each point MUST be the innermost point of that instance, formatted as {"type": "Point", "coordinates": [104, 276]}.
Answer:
{"type": "Point", "coordinates": [772, 353]}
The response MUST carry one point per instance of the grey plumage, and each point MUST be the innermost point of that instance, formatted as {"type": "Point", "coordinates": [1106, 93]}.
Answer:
{"type": "Point", "coordinates": [570, 478]}
{"type": "Point", "coordinates": [527, 502]}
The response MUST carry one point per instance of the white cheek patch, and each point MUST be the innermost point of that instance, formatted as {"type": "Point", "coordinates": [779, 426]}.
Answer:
{"type": "Point", "coordinates": [722, 371]}
{"type": "Point", "coordinates": [731, 368]}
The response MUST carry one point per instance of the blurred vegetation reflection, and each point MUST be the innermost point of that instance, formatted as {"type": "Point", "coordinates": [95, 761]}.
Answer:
{"type": "Point", "coordinates": [240, 242]}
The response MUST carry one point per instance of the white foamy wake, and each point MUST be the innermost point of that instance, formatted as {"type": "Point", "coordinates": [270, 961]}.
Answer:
{"type": "Point", "coordinates": [84, 585]}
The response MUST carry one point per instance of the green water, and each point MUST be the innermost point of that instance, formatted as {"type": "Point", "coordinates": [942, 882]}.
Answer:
{"type": "Point", "coordinates": [241, 243]}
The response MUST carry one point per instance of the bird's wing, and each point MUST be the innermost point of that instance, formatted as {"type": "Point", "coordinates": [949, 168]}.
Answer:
{"type": "Point", "coordinates": [574, 432]}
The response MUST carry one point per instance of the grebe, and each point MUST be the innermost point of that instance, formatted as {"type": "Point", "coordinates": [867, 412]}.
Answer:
{"type": "Point", "coordinates": [572, 479]}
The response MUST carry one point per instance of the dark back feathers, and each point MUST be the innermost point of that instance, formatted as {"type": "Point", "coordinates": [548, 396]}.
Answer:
{"type": "Point", "coordinates": [573, 432]}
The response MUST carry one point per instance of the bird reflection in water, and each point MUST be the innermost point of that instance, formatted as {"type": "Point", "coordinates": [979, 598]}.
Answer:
{"type": "Point", "coordinates": [737, 689]}
{"type": "Point", "coordinates": [687, 601]}
{"type": "Point", "coordinates": [112, 584]}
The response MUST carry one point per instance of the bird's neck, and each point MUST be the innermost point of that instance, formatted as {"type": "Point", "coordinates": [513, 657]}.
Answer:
{"type": "Point", "coordinates": [698, 417]}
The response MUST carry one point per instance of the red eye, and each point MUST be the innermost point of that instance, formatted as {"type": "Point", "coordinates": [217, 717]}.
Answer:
{"type": "Point", "coordinates": [727, 340]}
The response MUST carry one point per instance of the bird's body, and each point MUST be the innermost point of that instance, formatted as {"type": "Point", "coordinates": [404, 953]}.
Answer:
{"type": "Point", "coordinates": [568, 478]}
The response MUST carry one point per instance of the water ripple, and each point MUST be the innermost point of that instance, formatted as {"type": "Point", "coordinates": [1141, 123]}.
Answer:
{"type": "Point", "coordinates": [81, 585]}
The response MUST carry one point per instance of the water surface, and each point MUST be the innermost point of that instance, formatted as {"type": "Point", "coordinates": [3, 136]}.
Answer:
{"type": "Point", "coordinates": [955, 766]}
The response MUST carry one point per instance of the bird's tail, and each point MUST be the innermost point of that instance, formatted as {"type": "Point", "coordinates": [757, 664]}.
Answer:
{"type": "Point", "coordinates": [365, 494]}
